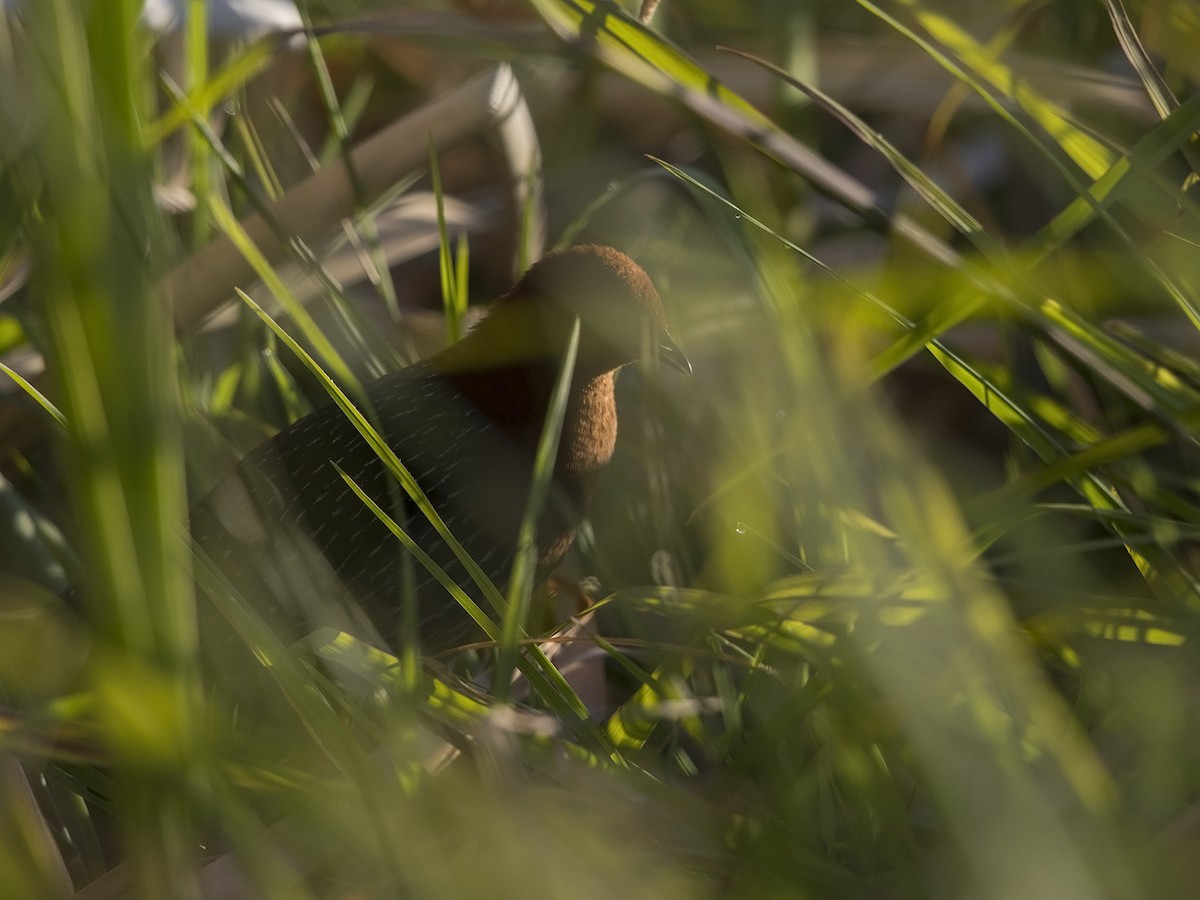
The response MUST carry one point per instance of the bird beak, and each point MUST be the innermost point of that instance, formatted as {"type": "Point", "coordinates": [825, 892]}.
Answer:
{"type": "Point", "coordinates": [669, 353]}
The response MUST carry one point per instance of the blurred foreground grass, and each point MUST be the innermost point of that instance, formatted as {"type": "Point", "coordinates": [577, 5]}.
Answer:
{"type": "Point", "coordinates": [898, 596]}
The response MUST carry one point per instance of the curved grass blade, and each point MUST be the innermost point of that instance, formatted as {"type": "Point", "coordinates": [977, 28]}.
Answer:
{"type": "Point", "coordinates": [1157, 89]}
{"type": "Point", "coordinates": [38, 397]}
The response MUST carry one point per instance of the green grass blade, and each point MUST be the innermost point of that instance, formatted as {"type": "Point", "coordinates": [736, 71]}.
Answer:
{"type": "Point", "coordinates": [38, 397]}
{"type": "Point", "coordinates": [211, 92]}
{"type": "Point", "coordinates": [1089, 154]}
{"type": "Point", "coordinates": [521, 582]}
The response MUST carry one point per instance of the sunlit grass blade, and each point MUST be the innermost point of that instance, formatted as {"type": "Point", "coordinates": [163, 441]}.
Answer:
{"type": "Point", "coordinates": [1153, 148]}
{"type": "Point", "coordinates": [212, 91]}
{"type": "Point", "coordinates": [1085, 151]}
{"type": "Point", "coordinates": [1093, 159]}
{"type": "Point", "coordinates": [38, 397]}
{"type": "Point", "coordinates": [1016, 267]}
{"type": "Point", "coordinates": [233, 230]}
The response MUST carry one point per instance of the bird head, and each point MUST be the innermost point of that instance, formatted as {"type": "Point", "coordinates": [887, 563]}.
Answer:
{"type": "Point", "coordinates": [620, 313]}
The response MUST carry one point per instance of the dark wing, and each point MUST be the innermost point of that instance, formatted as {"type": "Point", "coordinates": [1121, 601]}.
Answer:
{"type": "Point", "coordinates": [290, 534]}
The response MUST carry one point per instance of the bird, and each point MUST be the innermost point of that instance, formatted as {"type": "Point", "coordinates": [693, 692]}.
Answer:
{"type": "Point", "coordinates": [466, 422]}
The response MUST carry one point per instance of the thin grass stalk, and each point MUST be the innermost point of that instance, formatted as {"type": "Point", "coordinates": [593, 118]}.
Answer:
{"type": "Point", "coordinates": [520, 586]}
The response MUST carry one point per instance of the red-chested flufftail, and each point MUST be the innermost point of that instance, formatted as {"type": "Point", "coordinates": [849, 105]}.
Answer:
{"type": "Point", "coordinates": [466, 423]}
